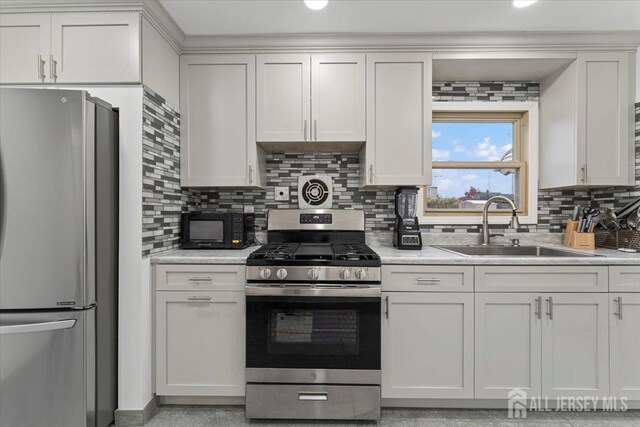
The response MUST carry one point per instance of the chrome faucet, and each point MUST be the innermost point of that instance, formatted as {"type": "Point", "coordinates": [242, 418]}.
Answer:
{"type": "Point", "coordinates": [514, 223]}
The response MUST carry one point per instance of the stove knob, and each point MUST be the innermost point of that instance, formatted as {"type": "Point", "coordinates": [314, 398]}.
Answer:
{"type": "Point", "coordinates": [361, 274]}
{"type": "Point", "coordinates": [344, 274]}
{"type": "Point", "coordinates": [313, 274]}
{"type": "Point", "coordinates": [265, 273]}
{"type": "Point", "coordinates": [281, 273]}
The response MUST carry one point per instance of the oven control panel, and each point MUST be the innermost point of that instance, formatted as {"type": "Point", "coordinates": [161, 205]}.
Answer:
{"type": "Point", "coordinates": [316, 219]}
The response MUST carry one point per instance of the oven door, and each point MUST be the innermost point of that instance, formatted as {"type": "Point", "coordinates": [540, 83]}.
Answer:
{"type": "Point", "coordinates": [322, 338]}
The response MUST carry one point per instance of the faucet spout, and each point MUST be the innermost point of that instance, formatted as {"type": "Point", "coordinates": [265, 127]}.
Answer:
{"type": "Point", "coordinates": [514, 224]}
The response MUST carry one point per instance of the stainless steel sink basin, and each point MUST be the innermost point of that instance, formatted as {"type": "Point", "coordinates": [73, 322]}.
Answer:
{"type": "Point", "coordinates": [512, 251]}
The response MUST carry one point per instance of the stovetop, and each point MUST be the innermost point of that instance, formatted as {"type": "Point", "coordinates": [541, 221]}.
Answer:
{"type": "Point", "coordinates": [315, 254]}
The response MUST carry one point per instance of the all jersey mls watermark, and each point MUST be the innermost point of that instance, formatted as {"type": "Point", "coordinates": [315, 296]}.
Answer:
{"type": "Point", "coordinates": [519, 404]}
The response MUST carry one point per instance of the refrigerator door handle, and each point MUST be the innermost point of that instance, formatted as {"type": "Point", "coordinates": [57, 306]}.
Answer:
{"type": "Point", "coordinates": [3, 202]}
{"type": "Point", "coordinates": [37, 327]}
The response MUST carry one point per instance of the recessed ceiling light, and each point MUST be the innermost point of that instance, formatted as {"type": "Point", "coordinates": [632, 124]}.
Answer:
{"type": "Point", "coordinates": [523, 3]}
{"type": "Point", "coordinates": [316, 4]}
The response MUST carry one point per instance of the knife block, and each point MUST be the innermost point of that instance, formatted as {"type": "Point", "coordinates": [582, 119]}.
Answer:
{"type": "Point", "coordinates": [575, 240]}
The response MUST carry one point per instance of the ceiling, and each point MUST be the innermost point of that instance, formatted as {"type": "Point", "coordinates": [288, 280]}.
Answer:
{"type": "Point", "coordinates": [247, 17]}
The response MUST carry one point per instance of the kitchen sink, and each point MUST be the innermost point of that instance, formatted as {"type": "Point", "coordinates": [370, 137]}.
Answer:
{"type": "Point", "coordinates": [512, 251]}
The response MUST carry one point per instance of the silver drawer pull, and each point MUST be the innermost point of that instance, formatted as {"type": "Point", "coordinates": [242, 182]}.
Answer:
{"type": "Point", "coordinates": [201, 279]}
{"type": "Point", "coordinates": [199, 298]}
{"type": "Point", "coordinates": [431, 281]}
{"type": "Point", "coordinates": [303, 395]}
{"type": "Point", "coordinates": [619, 303]}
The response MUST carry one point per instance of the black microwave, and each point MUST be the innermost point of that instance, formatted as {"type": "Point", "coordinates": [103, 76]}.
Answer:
{"type": "Point", "coordinates": [202, 230]}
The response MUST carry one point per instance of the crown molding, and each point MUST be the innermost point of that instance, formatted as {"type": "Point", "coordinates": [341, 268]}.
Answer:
{"type": "Point", "coordinates": [436, 42]}
{"type": "Point", "coordinates": [164, 24]}
{"type": "Point", "coordinates": [54, 6]}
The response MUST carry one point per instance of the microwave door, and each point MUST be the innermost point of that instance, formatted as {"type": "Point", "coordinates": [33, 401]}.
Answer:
{"type": "Point", "coordinates": [43, 157]}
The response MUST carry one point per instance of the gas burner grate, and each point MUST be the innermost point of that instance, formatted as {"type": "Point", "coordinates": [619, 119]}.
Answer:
{"type": "Point", "coordinates": [353, 252]}
{"type": "Point", "coordinates": [276, 251]}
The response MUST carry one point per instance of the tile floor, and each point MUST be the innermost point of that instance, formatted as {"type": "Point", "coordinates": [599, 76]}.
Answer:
{"type": "Point", "coordinates": [233, 416]}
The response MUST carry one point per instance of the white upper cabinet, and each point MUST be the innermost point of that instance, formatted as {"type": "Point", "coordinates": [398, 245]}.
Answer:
{"type": "Point", "coordinates": [95, 48]}
{"type": "Point", "coordinates": [586, 126]}
{"type": "Point", "coordinates": [283, 97]}
{"type": "Point", "coordinates": [338, 97]}
{"type": "Point", "coordinates": [398, 148]}
{"type": "Point", "coordinates": [318, 98]}
{"type": "Point", "coordinates": [70, 48]}
{"type": "Point", "coordinates": [217, 103]}
{"type": "Point", "coordinates": [25, 43]}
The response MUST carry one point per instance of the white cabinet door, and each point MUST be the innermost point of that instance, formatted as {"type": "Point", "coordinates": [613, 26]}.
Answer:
{"type": "Point", "coordinates": [575, 345]}
{"type": "Point", "coordinates": [200, 343]}
{"type": "Point", "coordinates": [25, 43]}
{"type": "Point", "coordinates": [283, 97]}
{"type": "Point", "coordinates": [604, 104]}
{"type": "Point", "coordinates": [95, 48]}
{"type": "Point", "coordinates": [624, 329]}
{"type": "Point", "coordinates": [507, 349]}
{"type": "Point", "coordinates": [338, 97]}
{"type": "Point", "coordinates": [398, 148]}
{"type": "Point", "coordinates": [217, 103]}
{"type": "Point", "coordinates": [427, 345]}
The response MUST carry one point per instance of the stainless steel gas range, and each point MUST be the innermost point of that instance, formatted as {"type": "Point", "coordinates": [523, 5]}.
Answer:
{"type": "Point", "coordinates": [313, 319]}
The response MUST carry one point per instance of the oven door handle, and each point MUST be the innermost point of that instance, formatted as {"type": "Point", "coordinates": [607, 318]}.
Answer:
{"type": "Point", "coordinates": [306, 291]}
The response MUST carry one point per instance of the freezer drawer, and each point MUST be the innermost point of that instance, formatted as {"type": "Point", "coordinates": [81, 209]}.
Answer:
{"type": "Point", "coordinates": [46, 369]}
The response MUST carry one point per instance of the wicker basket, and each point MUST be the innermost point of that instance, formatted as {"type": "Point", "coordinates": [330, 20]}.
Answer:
{"type": "Point", "coordinates": [614, 239]}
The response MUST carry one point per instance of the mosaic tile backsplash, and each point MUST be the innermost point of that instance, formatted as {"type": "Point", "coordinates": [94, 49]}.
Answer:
{"type": "Point", "coordinates": [163, 200]}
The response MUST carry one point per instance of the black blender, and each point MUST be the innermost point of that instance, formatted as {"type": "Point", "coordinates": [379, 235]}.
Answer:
{"type": "Point", "coordinates": [406, 233]}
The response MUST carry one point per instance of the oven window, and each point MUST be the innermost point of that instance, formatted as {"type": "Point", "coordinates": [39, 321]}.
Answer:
{"type": "Point", "coordinates": [206, 230]}
{"type": "Point", "coordinates": [313, 332]}
{"type": "Point", "coordinates": [329, 331]}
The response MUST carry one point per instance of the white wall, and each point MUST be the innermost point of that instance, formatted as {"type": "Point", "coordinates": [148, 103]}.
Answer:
{"type": "Point", "coordinates": [160, 65]}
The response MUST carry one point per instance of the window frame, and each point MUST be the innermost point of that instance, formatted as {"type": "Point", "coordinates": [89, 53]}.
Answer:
{"type": "Point", "coordinates": [527, 112]}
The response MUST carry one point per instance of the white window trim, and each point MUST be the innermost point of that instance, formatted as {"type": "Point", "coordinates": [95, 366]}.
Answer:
{"type": "Point", "coordinates": [532, 159]}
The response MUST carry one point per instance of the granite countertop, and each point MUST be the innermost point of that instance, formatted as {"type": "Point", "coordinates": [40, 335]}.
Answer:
{"type": "Point", "coordinates": [428, 255]}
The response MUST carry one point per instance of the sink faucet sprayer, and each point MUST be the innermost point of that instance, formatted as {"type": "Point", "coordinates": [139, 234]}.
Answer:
{"type": "Point", "coordinates": [513, 224]}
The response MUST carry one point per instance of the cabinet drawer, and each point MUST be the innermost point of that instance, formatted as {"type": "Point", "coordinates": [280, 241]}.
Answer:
{"type": "Point", "coordinates": [189, 277]}
{"type": "Point", "coordinates": [624, 279]}
{"type": "Point", "coordinates": [427, 278]}
{"type": "Point", "coordinates": [578, 278]}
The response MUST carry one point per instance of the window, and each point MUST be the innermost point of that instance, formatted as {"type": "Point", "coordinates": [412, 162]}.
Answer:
{"type": "Point", "coordinates": [481, 150]}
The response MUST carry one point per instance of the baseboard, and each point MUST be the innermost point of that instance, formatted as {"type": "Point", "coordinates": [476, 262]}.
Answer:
{"type": "Point", "coordinates": [472, 403]}
{"type": "Point", "coordinates": [136, 417]}
{"type": "Point", "coordinates": [201, 400]}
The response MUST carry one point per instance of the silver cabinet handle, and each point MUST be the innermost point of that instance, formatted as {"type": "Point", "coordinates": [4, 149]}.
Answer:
{"type": "Point", "coordinates": [305, 130]}
{"type": "Point", "coordinates": [386, 307]}
{"type": "Point", "coordinates": [428, 281]}
{"type": "Point", "coordinates": [250, 174]}
{"type": "Point", "coordinates": [550, 305]}
{"type": "Point", "coordinates": [37, 327]}
{"type": "Point", "coordinates": [539, 308]}
{"type": "Point", "coordinates": [199, 298]}
{"type": "Point", "coordinates": [370, 174]}
{"type": "Point", "coordinates": [201, 279]}
{"type": "Point", "coordinates": [619, 302]}
{"type": "Point", "coordinates": [305, 395]}
{"type": "Point", "coordinates": [41, 74]}
{"type": "Point", "coordinates": [315, 129]}
{"type": "Point", "coordinates": [584, 173]}
{"type": "Point", "coordinates": [53, 68]}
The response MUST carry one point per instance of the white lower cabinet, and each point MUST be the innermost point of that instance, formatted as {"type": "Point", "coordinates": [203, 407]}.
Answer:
{"type": "Point", "coordinates": [575, 345]}
{"type": "Point", "coordinates": [200, 343]}
{"type": "Point", "coordinates": [508, 336]}
{"type": "Point", "coordinates": [427, 345]}
{"type": "Point", "coordinates": [624, 330]}
{"type": "Point", "coordinates": [545, 344]}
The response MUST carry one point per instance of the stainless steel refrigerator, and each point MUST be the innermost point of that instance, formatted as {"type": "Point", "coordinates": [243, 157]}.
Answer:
{"type": "Point", "coordinates": [58, 258]}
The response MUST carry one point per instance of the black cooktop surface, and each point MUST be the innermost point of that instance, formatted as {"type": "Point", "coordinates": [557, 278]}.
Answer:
{"type": "Point", "coordinates": [350, 254]}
